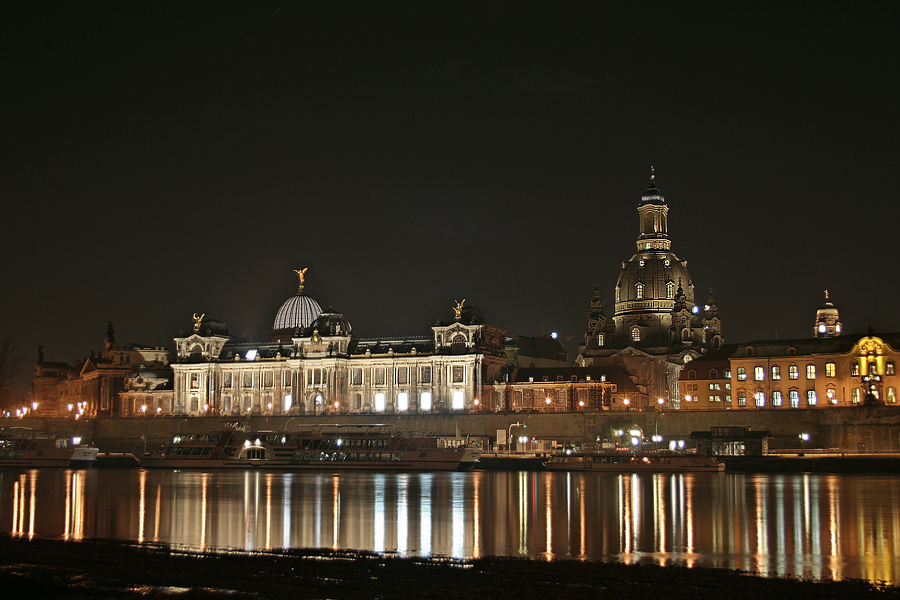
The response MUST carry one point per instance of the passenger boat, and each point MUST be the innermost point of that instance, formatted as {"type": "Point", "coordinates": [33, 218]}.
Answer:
{"type": "Point", "coordinates": [23, 448]}
{"type": "Point", "coordinates": [626, 462]}
{"type": "Point", "coordinates": [338, 447]}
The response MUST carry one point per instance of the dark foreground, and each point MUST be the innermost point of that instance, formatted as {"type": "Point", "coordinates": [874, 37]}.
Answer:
{"type": "Point", "coordinates": [108, 569]}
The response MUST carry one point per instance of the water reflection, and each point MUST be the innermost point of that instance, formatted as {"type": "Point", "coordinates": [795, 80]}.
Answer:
{"type": "Point", "coordinates": [826, 526]}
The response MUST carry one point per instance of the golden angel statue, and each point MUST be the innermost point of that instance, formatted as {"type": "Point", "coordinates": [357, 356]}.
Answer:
{"type": "Point", "coordinates": [301, 275]}
{"type": "Point", "coordinates": [197, 321]}
{"type": "Point", "coordinates": [459, 308]}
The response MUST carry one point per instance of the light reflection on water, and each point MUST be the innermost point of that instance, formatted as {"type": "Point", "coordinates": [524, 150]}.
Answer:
{"type": "Point", "coordinates": [822, 526]}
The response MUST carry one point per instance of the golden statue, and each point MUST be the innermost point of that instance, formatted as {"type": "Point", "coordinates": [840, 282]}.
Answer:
{"type": "Point", "coordinates": [458, 308]}
{"type": "Point", "coordinates": [197, 321]}
{"type": "Point", "coordinates": [301, 275]}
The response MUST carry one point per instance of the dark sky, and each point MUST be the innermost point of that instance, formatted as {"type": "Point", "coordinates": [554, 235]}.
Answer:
{"type": "Point", "coordinates": [165, 159]}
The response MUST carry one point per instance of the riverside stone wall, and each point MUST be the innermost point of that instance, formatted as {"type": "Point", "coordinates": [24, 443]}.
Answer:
{"type": "Point", "coordinates": [846, 429]}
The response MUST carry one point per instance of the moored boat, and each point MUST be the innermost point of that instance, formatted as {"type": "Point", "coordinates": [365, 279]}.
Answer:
{"type": "Point", "coordinates": [24, 448]}
{"type": "Point", "coordinates": [626, 462]}
{"type": "Point", "coordinates": [361, 447]}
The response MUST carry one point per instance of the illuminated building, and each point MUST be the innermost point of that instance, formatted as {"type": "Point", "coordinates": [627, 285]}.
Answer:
{"type": "Point", "coordinates": [94, 387]}
{"type": "Point", "coordinates": [824, 371]}
{"type": "Point", "coordinates": [313, 364]}
{"type": "Point", "coordinates": [816, 373]}
{"type": "Point", "coordinates": [567, 389]}
{"type": "Point", "coordinates": [656, 326]}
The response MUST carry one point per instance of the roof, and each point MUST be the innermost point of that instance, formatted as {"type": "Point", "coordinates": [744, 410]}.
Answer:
{"type": "Point", "coordinates": [840, 344]}
{"type": "Point", "coordinates": [611, 374]}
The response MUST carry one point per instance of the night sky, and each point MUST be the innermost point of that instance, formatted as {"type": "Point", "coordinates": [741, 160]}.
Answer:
{"type": "Point", "coordinates": [165, 159]}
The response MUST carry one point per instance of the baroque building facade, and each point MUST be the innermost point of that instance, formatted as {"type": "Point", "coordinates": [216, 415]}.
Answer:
{"type": "Point", "coordinates": [313, 364]}
{"type": "Point", "coordinates": [97, 386]}
{"type": "Point", "coordinates": [826, 370]}
{"type": "Point", "coordinates": [656, 326]}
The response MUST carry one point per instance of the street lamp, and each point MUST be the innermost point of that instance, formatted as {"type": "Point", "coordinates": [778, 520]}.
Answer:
{"type": "Point", "coordinates": [626, 402]}
{"type": "Point", "coordinates": [804, 437]}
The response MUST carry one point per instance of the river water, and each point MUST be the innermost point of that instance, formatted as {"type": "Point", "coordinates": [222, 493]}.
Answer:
{"type": "Point", "coordinates": [810, 525]}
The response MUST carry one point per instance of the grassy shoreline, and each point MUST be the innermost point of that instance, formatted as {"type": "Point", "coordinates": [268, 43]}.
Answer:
{"type": "Point", "coordinates": [49, 568]}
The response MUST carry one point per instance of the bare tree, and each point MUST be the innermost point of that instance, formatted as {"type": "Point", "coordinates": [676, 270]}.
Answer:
{"type": "Point", "coordinates": [12, 362]}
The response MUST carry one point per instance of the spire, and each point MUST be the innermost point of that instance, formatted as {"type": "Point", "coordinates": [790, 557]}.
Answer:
{"type": "Point", "coordinates": [828, 319]}
{"type": "Point", "coordinates": [653, 214]}
{"type": "Point", "coordinates": [110, 340]}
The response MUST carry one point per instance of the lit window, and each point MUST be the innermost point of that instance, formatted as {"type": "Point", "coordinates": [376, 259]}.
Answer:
{"type": "Point", "coordinates": [830, 369]}
{"type": "Point", "coordinates": [425, 401]}
{"type": "Point", "coordinates": [402, 401]}
{"type": "Point", "coordinates": [639, 290]}
{"type": "Point", "coordinates": [811, 399]}
{"type": "Point", "coordinates": [742, 374]}
{"type": "Point", "coordinates": [891, 396]}
{"type": "Point", "coordinates": [635, 334]}
{"type": "Point", "coordinates": [727, 374]}
{"type": "Point", "coordinates": [794, 396]}
{"type": "Point", "coordinates": [459, 400]}
{"type": "Point", "coordinates": [776, 398]}
{"type": "Point", "coordinates": [760, 399]}
{"type": "Point", "coordinates": [641, 262]}
{"type": "Point", "coordinates": [776, 373]}
{"type": "Point", "coordinates": [759, 373]}
{"type": "Point", "coordinates": [793, 372]}
{"type": "Point", "coordinates": [889, 368]}
{"type": "Point", "coordinates": [854, 396]}
{"type": "Point", "coordinates": [670, 290]}
{"type": "Point", "coordinates": [854, 369]}
{"type": "Point", "coordinates": [599, 339]}
{"type": "Point", "coordinates": [379, 402]}
{"type": "Point", "coordinates": [742, 399]}
{"type": "Point", "coordinates": [711, 386]}
{"type": "Point", "coordinates": [810, 371]}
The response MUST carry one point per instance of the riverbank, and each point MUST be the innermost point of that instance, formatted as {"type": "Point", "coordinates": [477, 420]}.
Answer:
{"type": "Point", "coordinates": [42, 568]}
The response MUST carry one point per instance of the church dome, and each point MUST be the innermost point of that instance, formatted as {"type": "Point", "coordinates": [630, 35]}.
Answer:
{"type": "Point", "coordinates": [298, 312]}
{"type": "Point", "coordinates": [653, 275]}
{"type": "Point", "coordinates": [331, 323]}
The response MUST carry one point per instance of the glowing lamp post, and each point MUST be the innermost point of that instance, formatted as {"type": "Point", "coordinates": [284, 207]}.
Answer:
{"type": "Point", "coordinates": [626, 402]}
{"type": "Point", "coordinates": [804, 437]}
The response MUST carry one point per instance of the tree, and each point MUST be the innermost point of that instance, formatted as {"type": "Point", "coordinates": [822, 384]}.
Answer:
{"type": "Point", "coordinates": [12, 361]}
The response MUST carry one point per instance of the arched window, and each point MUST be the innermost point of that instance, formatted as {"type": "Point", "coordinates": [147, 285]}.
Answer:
{"type": "Point", "coordinates": [600, 339]}
{"type": "Point", "coordinates": [670, 290]}
{"type": "Point", "coordinates": [639, 290]}
{"type": "Point", "coordinates": [635, 334]}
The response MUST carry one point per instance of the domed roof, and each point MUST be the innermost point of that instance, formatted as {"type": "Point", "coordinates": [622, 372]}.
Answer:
{"type": "Point", "coordinates": [331, 323]}
{"type": "Point", "coordinates": [298, 312]}
{"type": "Point", "coordinates": [653, 195]}
{"type": "Point", "coordinates": [657, 273]}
